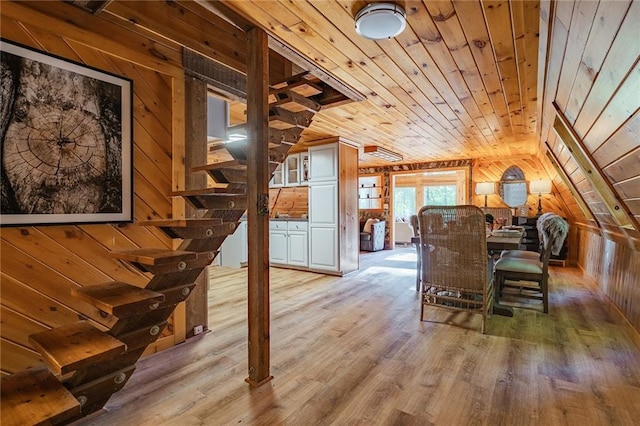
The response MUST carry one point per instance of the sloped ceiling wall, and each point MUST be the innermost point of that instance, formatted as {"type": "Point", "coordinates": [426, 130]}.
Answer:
{"type": "Point", "coordinates": [592, 78]}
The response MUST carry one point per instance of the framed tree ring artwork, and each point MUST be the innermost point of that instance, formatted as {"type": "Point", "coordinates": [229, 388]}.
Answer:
{"type": "Point", "coordinates": [65, 141]}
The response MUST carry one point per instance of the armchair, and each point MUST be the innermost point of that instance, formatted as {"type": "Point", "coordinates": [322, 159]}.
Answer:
{"type": "Point", "coordinates": [372, 235]}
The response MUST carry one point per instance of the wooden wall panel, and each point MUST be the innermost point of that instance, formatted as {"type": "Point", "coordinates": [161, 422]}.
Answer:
{"type": "Point", "coordinates": [40, 265]}
{"type": "Point", "coordinates": [615, 267]}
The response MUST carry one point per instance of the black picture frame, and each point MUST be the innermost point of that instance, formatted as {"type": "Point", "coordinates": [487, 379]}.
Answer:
{"type": "Point", "coordinates": [66, 141]}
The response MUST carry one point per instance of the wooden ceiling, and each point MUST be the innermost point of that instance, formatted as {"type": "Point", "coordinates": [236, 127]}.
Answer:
{"type": "Point", "coordinates": [459, 82]}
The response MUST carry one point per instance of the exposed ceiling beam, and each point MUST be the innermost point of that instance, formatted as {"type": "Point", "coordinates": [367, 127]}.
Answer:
{"type": "Point", "coordinates": [572, 188]}
{"type": "Point", "coordinates": [592, 172]}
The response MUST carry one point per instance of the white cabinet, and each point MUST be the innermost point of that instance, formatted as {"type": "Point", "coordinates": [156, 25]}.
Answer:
{"type": "Point", "coordinates": [333, 208]}
{"type": "Point", "coordinates": [298, 244]}
{"type": "Point", "coordinates": [234, 250]}
{"type": "Point", "coordinates": [288, 243]}
{"type": "Point", "coordinates": [323, 162]}
{"type": "Point", "coordinates": [323, 248]}
{"type": "Point", "coordinates": [294, 171]}
{"type": "Point", "coordinates": [277, 180]}
{"type": "Point", "coordinates": [278, 244]}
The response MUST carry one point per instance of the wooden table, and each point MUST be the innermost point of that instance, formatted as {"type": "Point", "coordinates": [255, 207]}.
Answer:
{"type": "Point", "coordinates": [508, 242]}
{"type": "Point", "coordinates": [495, 243]}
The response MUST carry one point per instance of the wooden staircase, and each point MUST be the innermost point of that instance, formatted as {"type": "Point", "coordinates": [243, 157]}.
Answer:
{"type": "Point", "coordinates": [88, 363]}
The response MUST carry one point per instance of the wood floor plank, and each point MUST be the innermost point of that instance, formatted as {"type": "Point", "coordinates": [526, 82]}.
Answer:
{"type": "Point", "coordinates": [352, 350]}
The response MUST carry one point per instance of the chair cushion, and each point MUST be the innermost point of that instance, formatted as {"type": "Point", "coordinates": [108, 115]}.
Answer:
{"type": "Point", "coordinates": [365, 236]}
{"type": "Point", "coordinates": [514, 264]}
{"type": "Point", "coordinates": [368, 224]}
{"type": "Point", "coordinates": [523, 254]}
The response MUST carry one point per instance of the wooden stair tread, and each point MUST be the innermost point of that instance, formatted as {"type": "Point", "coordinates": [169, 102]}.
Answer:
{"type": "Point", "coordinates": [154, 256]}
{"type": "Point", "coordinates": [207, 192]}
{"type": "Point", "coordinates": [182, 223]}
{"type": "Point", "coordinates": [294, 102]}
{"type": "Point", "coordinates": [75, 346]}
{"type": "Point", "coordinates": [120, 299]}
{"type": "Point", "coordinates": [34, 397]}
{"type": "Point", "coordinates": [231, 165]}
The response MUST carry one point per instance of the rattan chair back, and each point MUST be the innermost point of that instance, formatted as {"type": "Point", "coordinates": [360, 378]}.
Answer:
{"type": "Point", "coordinates": [454, 259]}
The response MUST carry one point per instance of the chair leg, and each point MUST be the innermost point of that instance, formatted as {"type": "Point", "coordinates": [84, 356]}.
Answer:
{"type": "Point", "coordinates": [545, 295]}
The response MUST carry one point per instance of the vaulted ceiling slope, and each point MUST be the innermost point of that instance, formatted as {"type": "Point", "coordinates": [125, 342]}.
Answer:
{"type": "Point", "coordinates": [459, 82]}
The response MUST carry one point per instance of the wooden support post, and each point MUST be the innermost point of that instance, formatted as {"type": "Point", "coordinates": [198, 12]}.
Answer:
{"type": "Point", "coordinates": [196, 309]}
{"type": "Point", "coordinates": [592, 172]}
{"type": "Point", "coordinates": [258, 206]}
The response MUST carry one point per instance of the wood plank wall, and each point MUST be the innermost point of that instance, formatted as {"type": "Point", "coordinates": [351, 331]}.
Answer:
{"type": "Point", "coordinates": [615, 267]}
{"type": "Point", "coordinates": [41, 264]}
{"type": "Point", "coordinates": [534, 169]}
{"type": "Point", "coordinates": [591, 74]}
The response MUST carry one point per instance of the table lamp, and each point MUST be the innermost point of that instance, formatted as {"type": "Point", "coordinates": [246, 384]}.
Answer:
{"type": "Point", "coordinates": [540, 187]}
{"type": "Point", "coordinates": [485, 188]}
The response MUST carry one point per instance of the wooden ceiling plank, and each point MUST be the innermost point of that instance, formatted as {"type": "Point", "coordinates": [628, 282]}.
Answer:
{"type": "Point", "coordinates": [471, 19]}
{"type": "Point", "coordinates": [195, 31]}
{"type": "Point", "coordinates": [624, 168]}
{"type": "Point", "coordinates": [622, 56]}
{"type": "Point", "coordinates": [100, 32]}
{"type": "Point", "coordinates": [629, 188]}
{"type": "Point", "coordinates": [554, 63]}
{"type": "Point", "coordinates": [386, 61]}
{"type": "Point", "coordinates": [593, 174]}
{"type": "Point", "coordinates": [583, 14]}
{"type": "Point", "coordinates": [498, 18]}
{"type": "Point", "coordinates": [620, 143]}
{"type": "Point", "coordinates": [462, 72]}
{"type": "Point", "coordinates": [577, 196]}
{"type": "Point", "coordinates": [623, 104]}
{"type": "Point", "coordinates": [607, 21]}
{"type": "Point", "coordinates": [379, 89]}
{"type": "Point", "coordinates": [531, 41]}
{"type": "Point", "coordinates": [386, 56]}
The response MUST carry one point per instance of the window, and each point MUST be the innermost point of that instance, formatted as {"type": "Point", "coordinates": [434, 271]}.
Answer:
{"type": "Point", "coordinates": [404, 202]}
{"type": "Point", "coordinates": [440, 195]}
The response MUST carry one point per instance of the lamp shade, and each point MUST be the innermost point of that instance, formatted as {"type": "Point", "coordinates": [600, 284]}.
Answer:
{"type": "Point", "coordinates": [540, 187]}
{"type": "Point", "coordinates": [485, 188]}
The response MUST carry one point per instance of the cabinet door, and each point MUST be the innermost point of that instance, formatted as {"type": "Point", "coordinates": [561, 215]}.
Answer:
{"type": "Point", "coordinates": [323, 204]}
{"type": "Point", "coordinates": [323, 248]}
{"type": "Point", "coordinates": [298, 248]}
{"type": "Point", "coordinates": [277, 180]}
{"type": "Point", "coordinates": [304, 168]}
{"type": "Point", "coordinates": [278, 246]}
{"type": "Point", "coordinates": [292, 170]}
{"type": "Point", "coordinates": [323, 162]}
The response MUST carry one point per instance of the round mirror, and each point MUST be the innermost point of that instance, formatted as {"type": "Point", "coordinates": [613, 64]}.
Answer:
{"type": "Point", "coordinates": [513, 187]}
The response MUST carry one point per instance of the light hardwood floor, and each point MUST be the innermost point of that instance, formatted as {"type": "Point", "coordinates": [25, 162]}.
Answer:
{"type": "Point", "coordinates": [352, 350]}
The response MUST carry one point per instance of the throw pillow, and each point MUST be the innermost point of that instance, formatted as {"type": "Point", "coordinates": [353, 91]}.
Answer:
{"type": "Point", "coordinates": [368, 224]}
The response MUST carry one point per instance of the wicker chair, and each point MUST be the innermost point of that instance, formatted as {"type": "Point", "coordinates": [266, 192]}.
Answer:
{"type": "Point", "coordinates": [453, 248]}
{"type": "Point", "coordinates": [500, 214]}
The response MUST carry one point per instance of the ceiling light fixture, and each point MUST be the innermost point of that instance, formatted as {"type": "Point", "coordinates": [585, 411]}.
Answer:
{"type": "Point", "coordinates": [378, 21]}
{"type": "Point", "coordinates": [383, 153]}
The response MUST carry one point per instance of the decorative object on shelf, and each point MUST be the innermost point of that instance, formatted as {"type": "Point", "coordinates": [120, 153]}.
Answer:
{"type": "Point", "coordinates": [485, 188]}
{"type": "Point", "coordinates": [66, 141]}
{"type": "Point", "coordinates": [383, 153]}
{"type": "Point", "coordinates": [540, 187]}
{"type": "Point", "coordinates": [379, 21]}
